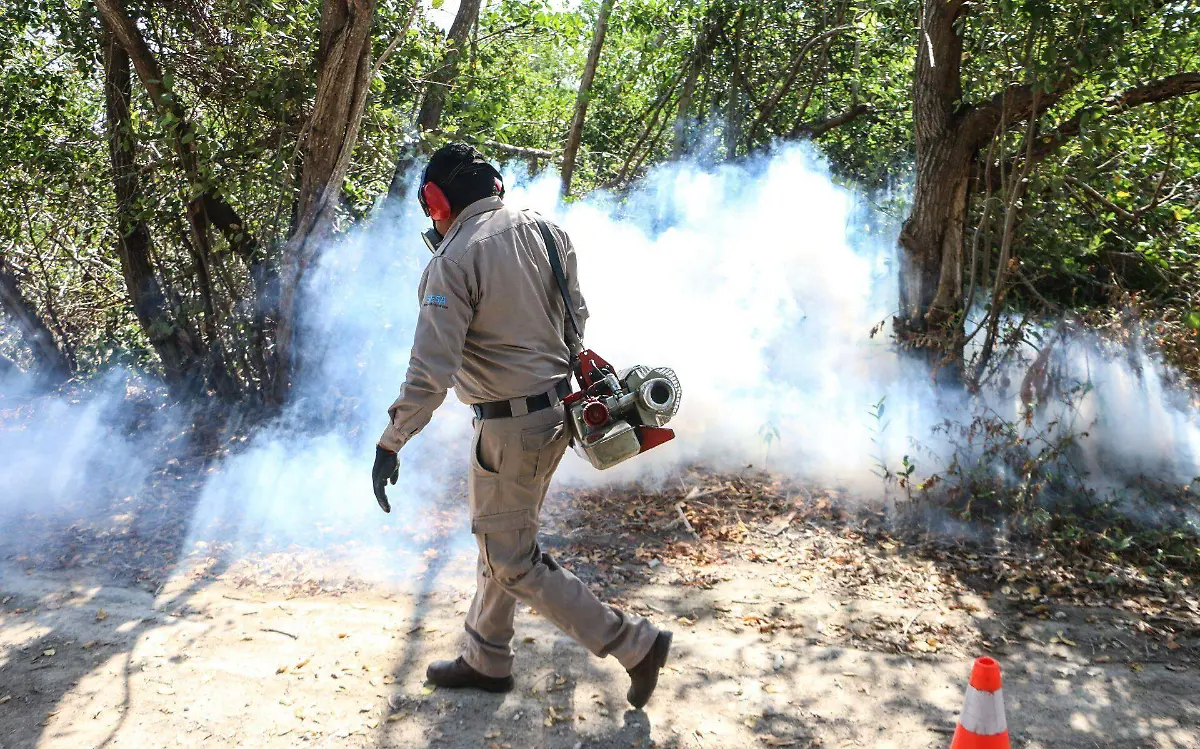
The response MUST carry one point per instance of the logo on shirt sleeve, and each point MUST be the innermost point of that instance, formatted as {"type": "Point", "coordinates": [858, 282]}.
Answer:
{"type": "Point", "coordinates": [435, 300]}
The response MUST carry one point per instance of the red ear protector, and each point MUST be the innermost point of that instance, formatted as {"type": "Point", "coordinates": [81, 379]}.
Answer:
{"type": "Point", "coordinates": [433, 200]}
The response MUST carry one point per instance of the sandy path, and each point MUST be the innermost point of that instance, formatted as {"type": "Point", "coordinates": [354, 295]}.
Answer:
{"type": "Point", "coordinates": [776, 653]}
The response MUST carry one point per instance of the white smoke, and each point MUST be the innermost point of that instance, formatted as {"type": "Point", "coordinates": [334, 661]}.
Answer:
{"type": "Point", "coordinates": [759, 283]}
{"type": "Point", "coordinates": [80, 458]}
{"type": "Point", "coordinates": [741, 277]}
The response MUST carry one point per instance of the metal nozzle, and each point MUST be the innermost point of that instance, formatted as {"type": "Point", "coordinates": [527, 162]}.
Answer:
{"type": "Point", "coordinates": [658, 394]}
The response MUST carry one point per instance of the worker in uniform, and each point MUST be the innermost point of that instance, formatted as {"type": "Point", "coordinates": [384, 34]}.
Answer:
{"type": "Point", "coordinates": [492, 324]}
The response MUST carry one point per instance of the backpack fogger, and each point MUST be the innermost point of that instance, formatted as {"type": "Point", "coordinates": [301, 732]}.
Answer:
{"type": "Point", "coordinates": [615, 414]}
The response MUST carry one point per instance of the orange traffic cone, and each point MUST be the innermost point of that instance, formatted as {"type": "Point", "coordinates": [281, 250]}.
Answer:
{"type": "Point", "coordinates": [982, 724]}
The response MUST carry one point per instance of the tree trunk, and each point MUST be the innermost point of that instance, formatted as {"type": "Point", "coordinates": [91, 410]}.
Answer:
{"type": "Point", "coordinates": [220, 213]}
{"type": "Point", "coordinates": [435, 91]}
{"type": "Point", "coordinates": [178, 351]}
{"type": "Point", "coordinates": [430, 116]}
{"type": "Point", "coordinates": [215, 207]}
{"type": "Point", "coordinates": [931, 240]}
{"type": "Point", "coordinates": [52, 364]}
{"type": "Point", "coordinates": [343, 79]}
{"type": "Point", "coordinates": [585, 95]}
{"type": "Point", "coordinates": [948, 138]}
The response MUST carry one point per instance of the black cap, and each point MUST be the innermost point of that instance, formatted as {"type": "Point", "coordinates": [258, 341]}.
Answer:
{"type": "Point", "coordinates": [463, 174]}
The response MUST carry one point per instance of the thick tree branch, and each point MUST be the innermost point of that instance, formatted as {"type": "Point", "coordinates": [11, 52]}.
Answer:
{"type": "Point", "coordinates": [51, 361]}
{"type": "Point", "coordinates": [434, 99]}
{"type": "Point", "coordinates": [1162, 89]}
{"type": "Point", "coordinates": [584, 95]}
{"type": "Point", "coordinates": [1016, 104]}
{"type": "Point", "coordinates": [435, 92]}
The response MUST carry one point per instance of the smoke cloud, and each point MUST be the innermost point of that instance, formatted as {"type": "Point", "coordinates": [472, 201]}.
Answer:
{"type": "Point", "coordinates": [759, 283]}
{"type": "Point", "coordinates": [81, 464]}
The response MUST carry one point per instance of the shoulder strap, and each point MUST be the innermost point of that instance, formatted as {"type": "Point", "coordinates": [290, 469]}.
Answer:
{"type": "Point", "coordinates": [559, 276]}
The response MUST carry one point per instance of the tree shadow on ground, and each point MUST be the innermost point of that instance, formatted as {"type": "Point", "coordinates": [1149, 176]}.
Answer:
{"type": "Point", "coordinates": [77, 585]}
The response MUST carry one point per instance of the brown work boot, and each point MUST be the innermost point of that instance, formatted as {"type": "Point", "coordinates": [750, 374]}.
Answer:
{"type": "Point", "coordinates": [457, 674]}
{"type": "Point", "coordinates": [644, 676]}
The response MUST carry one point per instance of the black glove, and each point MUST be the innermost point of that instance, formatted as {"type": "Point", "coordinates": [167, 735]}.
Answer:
{"type": "Point", "coordinates": [387, 466]}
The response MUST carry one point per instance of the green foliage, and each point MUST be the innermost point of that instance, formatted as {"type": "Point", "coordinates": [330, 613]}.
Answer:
{"type": "Point", "coordinates": [53, 220]}
{"type": "Point", "coordinates": [1111, 217]}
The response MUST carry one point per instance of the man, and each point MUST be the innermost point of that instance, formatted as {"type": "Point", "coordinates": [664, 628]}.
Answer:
{"type": "Point", "coordinates": [492, 324]}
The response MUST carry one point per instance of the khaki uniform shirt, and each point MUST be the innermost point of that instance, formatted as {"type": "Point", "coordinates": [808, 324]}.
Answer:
{"type": "Point", "coordinates": [492, 319]}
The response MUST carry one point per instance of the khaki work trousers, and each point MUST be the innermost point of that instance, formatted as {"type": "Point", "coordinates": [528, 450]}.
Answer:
{"type": "Point", "coordinates": [512, 461]}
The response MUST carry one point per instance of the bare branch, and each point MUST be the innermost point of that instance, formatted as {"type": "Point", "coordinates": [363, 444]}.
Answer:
{"type": "Point", "coordinates": [1098, 197]}
{"type": "Point", "coordinates": [817, 128]}
{"type": "Point", "coordinates": [793, 71]}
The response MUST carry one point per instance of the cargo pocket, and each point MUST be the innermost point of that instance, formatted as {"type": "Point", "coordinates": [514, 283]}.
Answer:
{"type": "Point", "coordinates": [500, 522]}
{"type": "Point", "coordinates": [541, 449]}
{"type": "Point", "coordinates": [507, 544]}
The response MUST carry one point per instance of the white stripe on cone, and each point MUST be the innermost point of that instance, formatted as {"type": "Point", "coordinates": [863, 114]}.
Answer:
{"type": "Point", "coordinates": [983, 712]}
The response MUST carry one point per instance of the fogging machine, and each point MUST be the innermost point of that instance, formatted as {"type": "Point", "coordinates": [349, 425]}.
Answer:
{"type": "Point", "coordinates": [615, 415]}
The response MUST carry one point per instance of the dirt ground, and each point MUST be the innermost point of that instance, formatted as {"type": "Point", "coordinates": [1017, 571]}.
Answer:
{"type": "Point", "coordinates": [796, 625]}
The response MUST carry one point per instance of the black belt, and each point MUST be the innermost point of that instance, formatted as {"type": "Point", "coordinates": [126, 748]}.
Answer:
{"type": "Point", "coordinates": [504, 409]}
